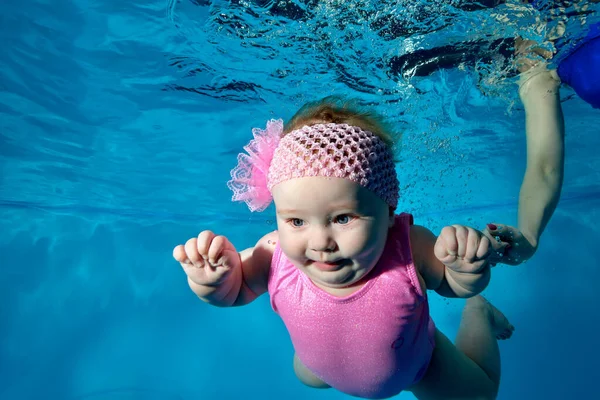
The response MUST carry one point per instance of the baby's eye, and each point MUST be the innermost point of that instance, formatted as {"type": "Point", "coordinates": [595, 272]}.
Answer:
{"type": "Point", "coordinates": [297, 222]}
{"type": "Point", "coordinates": [343, 219]}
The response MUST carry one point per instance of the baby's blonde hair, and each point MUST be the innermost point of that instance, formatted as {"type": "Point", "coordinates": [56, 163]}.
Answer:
{"type": "Point", "coordinates": [339, 110]}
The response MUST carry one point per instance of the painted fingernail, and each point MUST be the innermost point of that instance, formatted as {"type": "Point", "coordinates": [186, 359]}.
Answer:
{"type": "Point", "coordinates": [492, 227]}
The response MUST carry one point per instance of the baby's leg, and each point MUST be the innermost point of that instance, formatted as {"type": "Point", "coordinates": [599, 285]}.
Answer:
{"type": "Point", "coordinates": [471, 369]}
{"type": "Point", "coordinates": [307, 377]}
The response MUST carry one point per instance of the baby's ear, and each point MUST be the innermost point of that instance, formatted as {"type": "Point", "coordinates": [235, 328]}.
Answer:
{"type": "Point", "coordinates": [392, 218]}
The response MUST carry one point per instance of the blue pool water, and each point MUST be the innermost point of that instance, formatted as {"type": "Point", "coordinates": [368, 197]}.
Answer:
{"type": "Point", "coordinates": [120, 121]}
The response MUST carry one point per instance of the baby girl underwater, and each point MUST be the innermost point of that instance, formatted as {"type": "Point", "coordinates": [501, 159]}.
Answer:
{"type": "Point", "coordinates": [345, 271]}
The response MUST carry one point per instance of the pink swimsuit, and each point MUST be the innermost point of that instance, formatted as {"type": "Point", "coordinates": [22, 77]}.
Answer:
{"type": "Point", "coordinates": [373, 343]}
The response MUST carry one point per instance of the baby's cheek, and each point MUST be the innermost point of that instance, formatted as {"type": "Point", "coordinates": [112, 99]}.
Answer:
{"type": "Point", "coordinates": [291, 248]}
{"type": "Point", "coordinates": [365, 241]}
{"type": "Point", "coordinates": [358, 240]}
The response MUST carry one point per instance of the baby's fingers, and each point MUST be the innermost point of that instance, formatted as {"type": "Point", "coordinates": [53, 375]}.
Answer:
{"type": "Point", "coordinates": [205, 239]}
{"type": "Point", "coordinates": [191, 252]}
{"type": "Point", "coordinates": [215, 251]}
{"type": "Point", "coordinates": [472, 240]}
{"type": "Point", "coordinates": [484, 249]}
{"type": "Point", "coordinates": [180, 256]}
{"type": "Point", "coordinates": [219, 247]}
{"type": "Point", "coordinates": [446, 245]}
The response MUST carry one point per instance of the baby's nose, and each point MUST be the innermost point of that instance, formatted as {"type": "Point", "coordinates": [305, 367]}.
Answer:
{"type": "Point", "coordinates": [322, 241]}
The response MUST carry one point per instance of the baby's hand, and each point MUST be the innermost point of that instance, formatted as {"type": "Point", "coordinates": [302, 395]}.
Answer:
{"type": "Point", "coordinates": [510, 245]}
{"type": "Point", "coordinates": [463, 249]}
{"type": "Point", "coordinates": [207, 259]}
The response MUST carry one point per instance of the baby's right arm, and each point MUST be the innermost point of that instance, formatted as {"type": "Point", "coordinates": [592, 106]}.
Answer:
{"type": "Point", "coordinates": [221, 276]}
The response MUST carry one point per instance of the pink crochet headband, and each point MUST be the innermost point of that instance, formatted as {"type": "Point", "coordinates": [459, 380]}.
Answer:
{"type": "Point", "coordinates": [332, 150]}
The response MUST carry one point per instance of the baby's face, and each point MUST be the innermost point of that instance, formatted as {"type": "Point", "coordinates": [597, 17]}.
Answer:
{"type": "Point", "coordinates": [332, 229]}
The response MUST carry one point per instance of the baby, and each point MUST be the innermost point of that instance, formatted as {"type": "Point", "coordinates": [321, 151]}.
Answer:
{"type": "Point", "coordinates": [345, 271]}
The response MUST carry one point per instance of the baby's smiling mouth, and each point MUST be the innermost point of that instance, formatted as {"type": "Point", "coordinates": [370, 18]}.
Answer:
{"type": "Point", "coordinates": [329, 265]}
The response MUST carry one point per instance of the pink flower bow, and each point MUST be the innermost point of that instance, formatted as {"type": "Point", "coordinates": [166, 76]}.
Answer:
{"type": "Point", "coordinates": [249, 178]}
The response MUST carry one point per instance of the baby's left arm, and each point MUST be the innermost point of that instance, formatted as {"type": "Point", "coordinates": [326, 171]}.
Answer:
{"type": "Point", "coordinates": [455, 264]}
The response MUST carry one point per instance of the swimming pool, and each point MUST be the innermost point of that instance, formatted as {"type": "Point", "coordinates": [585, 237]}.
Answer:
{"type": "Point", "coordinates": [119, 123]}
